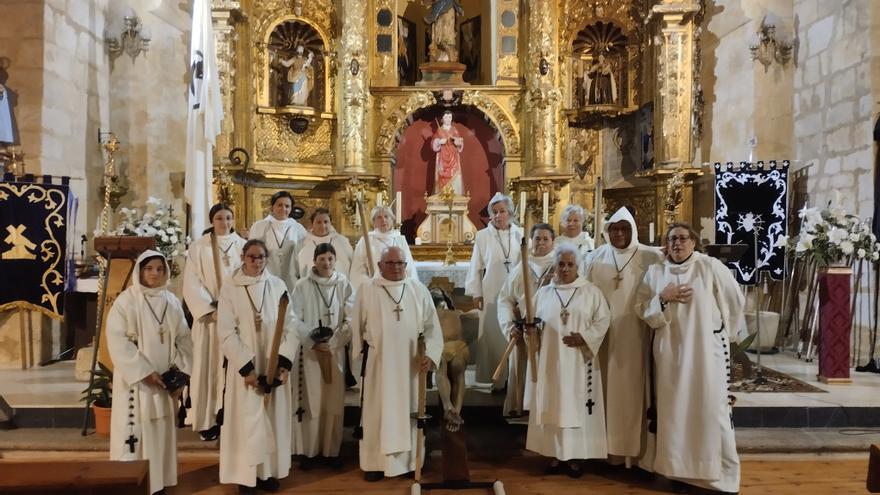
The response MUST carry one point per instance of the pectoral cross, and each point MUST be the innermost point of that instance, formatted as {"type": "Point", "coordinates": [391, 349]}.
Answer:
{"type": "Point", "coordinates": [398, 310]}
{"type": "Point", "coordinates": [131, 441]}
{"type": "Point", "coordinates": [329, 314]}
{"type": "Point", "coordinates": [564, 315]}
{"type": "Point", "coordinates": [617, 280]}
{"type": "Point", "coordinates": [161, 337]}
{"type": "Point", "coordinates": [507, 265]}
{"type": "Point", "coordinates": [258, 322]}
{"type": "Point", "coordinates": [225, 259]}
{"type": "Point", "coordinates": [299, 414]}
{"type": "Point", "coordinates": [590, 405]}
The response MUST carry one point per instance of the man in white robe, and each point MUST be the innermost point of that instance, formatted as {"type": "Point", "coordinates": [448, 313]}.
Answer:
{"type": "Point", "coordinates": [388, 317]}
{"type": "Point", "coordinates": [324, 297]}
{"type": "Point", "coordinates": [146, 336]}
{"type": "Point", "coordinates": [283, 237]}
{"type": "Point", "coordinates": [495, 254]}
{"type": "Point", "coordinates": [695, 306]}
{"type": "Point", "coordinates": [255, 436]}
{"type": "Point", "coordinates": [617, 268]}
{"type": "Point", "coordinates": [511, 308]}
{"type": "Point", "coordinates": [567, 415]}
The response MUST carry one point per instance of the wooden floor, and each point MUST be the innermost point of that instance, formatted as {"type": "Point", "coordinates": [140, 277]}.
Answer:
{"type": "Point", "coordinates": [523, 475]}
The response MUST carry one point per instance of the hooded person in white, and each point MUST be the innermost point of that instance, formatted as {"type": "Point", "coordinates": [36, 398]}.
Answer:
{"type": "Point", "coordinates": [495, 254]}
{"type": "Point", "coordinates": [255, 436]}
{"type": "Point", "coordinates": [389, 315]}
{"type": "Point", "coordinates": [695, 306]}
{"type": "Point", "coordinates": [617, 268]}
{"type": "Point", "coordinates": [567, 415]}
{"type": "Point", "coordinates": [383, 236]}
{"type": "Point", "coordinates": [322, 231]}
{"type": "Point", "coordinates": [283, 237]}
{"type": "Point", "coordinates": [146, 336]}
{"type": "Point", "coordinates": [511, 307]}
{"type": "Point", "coordinates": [572, 231]}
{"type": "Point", "coordinates": [323, 298]}
{"type": "Point", "coordinates": [201, 291]}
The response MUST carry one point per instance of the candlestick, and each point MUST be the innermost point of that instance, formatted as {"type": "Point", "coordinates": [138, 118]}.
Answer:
{"type": "Point", "coordinates": [522, 208]}
{"type": "Point", "coordinates": [651, 233]}
{"type": "Point", "coordinates": [398, 206]}
{"type": "Point", "coordinates": [546, 206]}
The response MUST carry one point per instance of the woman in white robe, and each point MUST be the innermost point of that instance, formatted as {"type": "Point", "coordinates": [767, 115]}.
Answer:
{"type": "Point", "coordinates": [201, 291]}
{"type": "Point", "coordinates": [322, 231]}
{"type": "Point", "coordinates": [255, 435]}
{"type": "Point", "coordinates": [511, 304]}
{"type": "Point", "coordinates": [147, 336]}
{"type": "Point", "coordinates": [383, 236]}
{"type": "Point", "coordinates": [283, 236]}
{"type": "Point", "coordinates": [496, 252]}
{"type": "Point", "coordinates": [694, 305]}
{"type": "Point", "coordinates": [572, 223]}
{"type": "Point", "coordinates": [567, 414]}
{"type": "Point", "coordinates": [324, 298]}
{"type": "Point", "coordinates": [617, 268]}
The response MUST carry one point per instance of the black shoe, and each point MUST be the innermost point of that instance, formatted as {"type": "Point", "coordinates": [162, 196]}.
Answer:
{"type": "Point", "coordinates": [680, 487]}
{"type": "Point", "coordinates": [247, 490]}
{"type": "Point", "coordinates": [211, 434]}
{"type": "Point", "coordinates": [160, 492]}
{"type": "Point", "coordinates": [373, 476]}
{"type": "Point", "coordinates": [268, 485]}
{"type": "Point", "coordinates": [306, 463]}
{"type": "Point", "coordinates": [574, 469]}
{"type": "Point", "coordinates": [335, 462]}
{"type": "Point", "coordinates": [554, 467]}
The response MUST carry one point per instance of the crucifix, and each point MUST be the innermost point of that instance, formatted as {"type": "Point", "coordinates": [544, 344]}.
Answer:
{"type": "Point", "coordinates": [131, 441]}
{"type": "Point", "coordinates": [398, 310]}
{"type": "Point", "coordinates": [590, 405]}
{"type": "Point", "coordinates": [617, 280]}
{"type": "Point", "coordinates": [299, 414]}
{"type": "Point", "coordinates": [226, 259]}
{"type": "Point", "coordinates": [162, 335]}
{"type": "Point", "coordinates": [329, 314]}
{"type": "Point", "coordinates": [507, 265]}
{"type": "Point", "coordinates": [564, 315]}
{"type": "Point", "coordinates": [258, 321]}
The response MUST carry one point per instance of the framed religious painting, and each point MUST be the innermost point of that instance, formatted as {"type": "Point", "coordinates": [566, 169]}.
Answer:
{"type": "Point", "coordinates": [469, 40]}
{"type": "Point", "coordinates": [407, 66]}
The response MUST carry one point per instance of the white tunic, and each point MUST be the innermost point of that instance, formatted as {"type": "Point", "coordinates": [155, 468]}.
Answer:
{"type": "Point", "coordinates": [255, 437]}
{"type": "Point", "coordinates": [567, 415]}
{"type": "Point", "coordinates": [359, 273]}
{"type": "Point", "coordinates": [486, 275]}
{"type": "Point", "coordinates": [625, 358]}
{"type": "Point", "coordinates": [344, 252]}
{"type": "Point", "coordinates": [138, 349]}
{"type": "Point", "coordinates": [695, 438]}
{"type": "Point", "coordinates": [320, 430]}
{"type": "Point", "coordinates": [391, 381]}
{"type": "Point", "coordinates": [284, 239]}
{"type": "Point", "coordinates": [200, 292]}
{"type": "Point", "coordinates": [519, 387]}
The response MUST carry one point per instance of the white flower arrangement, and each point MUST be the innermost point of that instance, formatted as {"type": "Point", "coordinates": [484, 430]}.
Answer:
{"type": "Point", "coordinates": [831, 236]}
{"type": "Point", "coordinates": [157, 221]}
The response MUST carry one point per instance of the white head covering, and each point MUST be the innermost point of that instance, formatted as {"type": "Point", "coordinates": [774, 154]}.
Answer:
{"type": "Point", "coordinates": [619, 216]}
{"type": "Point", "coordinates": [136, 282]}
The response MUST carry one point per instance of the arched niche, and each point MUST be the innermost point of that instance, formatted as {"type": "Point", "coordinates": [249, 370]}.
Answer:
{"type": "Point", "coordinates": [604, 65]}
{"type": "Point", "coordinates": [282, 40]}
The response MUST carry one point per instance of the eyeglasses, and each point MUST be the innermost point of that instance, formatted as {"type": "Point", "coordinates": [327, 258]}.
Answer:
{"type": "Point", "coordinates": [255, 257]}
{"type": "Point", "coordinates": [678, 238]}
{"type": "Point", "coordinates": [395, 264]}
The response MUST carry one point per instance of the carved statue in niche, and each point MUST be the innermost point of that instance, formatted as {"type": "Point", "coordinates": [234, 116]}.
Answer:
{"type": "Point", "coordinates": [444, 39]}
{"type": "Point", "coordinates": [447, 143]}
{"type": "Point", "coordinates": [600, 66]}
{"type": "Point", "coordinates": [599, 84]}
{"type": "Point", "coordinates": [297, 63]}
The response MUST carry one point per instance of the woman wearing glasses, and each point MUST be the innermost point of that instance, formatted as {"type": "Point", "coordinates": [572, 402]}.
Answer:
{"type": "Point", "coordinates": [255, 436]}
{"type": "Point", "coordinates": [694, 305]}
{"type": "Point", "coordinates": [382, 237]}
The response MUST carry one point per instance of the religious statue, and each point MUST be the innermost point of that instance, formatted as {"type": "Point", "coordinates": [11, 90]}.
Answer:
{"type": "Point", "coordinates": [300, 75]}
{"type": "Point", "coordinates": [448, 144]}
{"type": "Point", "coordinates": [453, 361]}
{"type": "Point", "coordinates": [444, 40]}
{"type": "Point", "coordinates": [599, 85]}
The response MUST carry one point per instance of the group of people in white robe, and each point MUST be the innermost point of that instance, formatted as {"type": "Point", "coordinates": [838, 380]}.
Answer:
{"type": "Point", "coordinates": [619, 336]}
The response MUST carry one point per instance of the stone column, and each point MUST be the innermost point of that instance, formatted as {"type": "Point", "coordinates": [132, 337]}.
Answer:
{"type": "Point", "coordinates": [223, 14]}
{"type": "Point", "coordinates": [353, 95]}
{"type": "Point", "coordinates": [674, 43]}
{"type": "Point", "coordinates": [543, 98]}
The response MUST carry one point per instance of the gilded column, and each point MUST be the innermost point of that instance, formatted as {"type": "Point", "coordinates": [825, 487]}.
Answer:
{"type": "Point", "coordinates": [223, 18]}
{"type": "Point", "coordinates": [543, 97]}
{"type": "Point", "coordinates": [353, 96]}
{"type": "Point", "coordinates": [674, 45]}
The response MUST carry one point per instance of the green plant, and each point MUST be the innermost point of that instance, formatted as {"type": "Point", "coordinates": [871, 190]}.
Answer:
{"type": "Point", "coordinates": [101, 391]}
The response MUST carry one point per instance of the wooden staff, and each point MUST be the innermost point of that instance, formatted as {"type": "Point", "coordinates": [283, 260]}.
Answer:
{"type": "Point", "coordinates": [22, 315]}
{"type": "Point", "coordinates": [532, 338]}
{"type": "Point", "coordinates": [597, 211]}
{"type": "Point", "coordinates": [366, 235]}
{"type": "Point", "coordinates": [215, 251]}
{"type": "Point", "coordinates": [272, 368]}
{"type": "Point", "coordinates": [420, 418]}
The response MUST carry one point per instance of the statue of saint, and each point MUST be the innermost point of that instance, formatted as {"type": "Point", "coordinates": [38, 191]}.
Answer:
{"type": "Point", "coordinates": [448, 143]}
{"type": "Point", "coordinates": [599, 84]}
{"type": "Point", "coordinates": [300, 75]}
{"type": "Point", "coordinates": [444, 39]}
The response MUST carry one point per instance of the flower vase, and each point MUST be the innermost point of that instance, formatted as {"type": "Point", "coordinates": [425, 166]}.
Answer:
{"type": "Point", "coordinates": [835, 324]}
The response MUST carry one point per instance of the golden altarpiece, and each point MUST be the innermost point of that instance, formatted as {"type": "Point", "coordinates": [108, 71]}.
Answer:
{"type": "Point", "coordinates": [325, 98]}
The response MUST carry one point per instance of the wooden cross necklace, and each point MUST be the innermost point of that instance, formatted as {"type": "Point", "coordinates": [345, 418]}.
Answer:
{"type": "Point", "coordinates": [505, 253]}
{"type": "Point", "coordinates": [564, 314]}
{"type": "Point", "coordinates": [258, 313]}
{"type": "Point", "coordinates": [160, 321]}
{"type": "Point", "coordinates": [618, 278]}
{"type": "Point", "coordinates": [225, 254]}
{"type": "Point", "coordinates": [397, 309]}
{"type": "Point", "coordinates": [329, 305]}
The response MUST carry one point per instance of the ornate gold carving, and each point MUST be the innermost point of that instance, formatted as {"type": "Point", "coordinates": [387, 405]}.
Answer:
{"type": "Point", "coordinates": [394, 123]}
{"type": "Point", "coordinates": [275, 142]}
{"type": "Point", "coordinates": [354, 72]}
{"type": "Point", "coordinates": [500, 118]}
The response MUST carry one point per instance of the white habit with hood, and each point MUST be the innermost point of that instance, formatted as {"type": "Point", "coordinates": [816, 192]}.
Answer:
{"type": "Point", "coordinates": [695, 438]}
{"type": "Point", "coordinates": [200, 292]}
{"type": "Point", "coordinates": [567, 414]}
{"type": "Point", "coordinates": [625, 355]}
{"type": "Point", "coordinates": [139, 346]}
{"type": "Point", "coordinates": [255, 437]}
{"type": "Point", "coordinates": [359, 274]}
{"type": "Point", "coordinates": [392, 374]}
{"type": "Point", "coordinates": [485, 277]}
{"type": "Point", "coordinates": [320, 430]}
{"type": "Point", "coordinates": [283, 239]}
{"type": "Point", "coordinates": [519, 387]}
{"type": "Point", "coordinates": [340, 243]}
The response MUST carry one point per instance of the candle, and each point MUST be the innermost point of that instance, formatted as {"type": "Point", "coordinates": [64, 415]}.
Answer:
{"type": "Point", "coordinates": [398, 206]}
{"type": "Point", "coordinates": [379, 198]}
{"type": "Point", "coordinates": [522, 208]}
{"type": "Point", "coordinates": [651, 233]}
{"type": "Point", "coordinates": [546, 206]}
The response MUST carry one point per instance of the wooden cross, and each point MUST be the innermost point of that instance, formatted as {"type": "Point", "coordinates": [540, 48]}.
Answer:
{"type": "Point", "coordinates": [258, 322]}
{"type": "Point", "coordinates": [590, 405]}
{"type": "Point", "coordinates": [329, 314]}
{"type": "Point", "coordinates": [398, 310]}
{"type": "Point", "coordinates": [564, 315]}
{"type": "Point", "coordinates": [161, 337]}
{"type": "Point", "coordinates": [131, 441]}
{"type": "Point", "coordinates": [226, 259]}
{"type": "Point", "coordinates": [507, 265]}
{"type": "Point", "coordinates": [299, 414]}
{"type": "Point", "coordinates": [617, 280]}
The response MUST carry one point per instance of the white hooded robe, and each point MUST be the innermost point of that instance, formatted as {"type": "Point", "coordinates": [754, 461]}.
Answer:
{"type": "Point", "coordinates": [283, 239]}
{"type": "Point", "coordinates": [344, 252]}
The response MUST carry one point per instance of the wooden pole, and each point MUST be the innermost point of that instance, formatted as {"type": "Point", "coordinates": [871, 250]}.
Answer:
{"type": "Point", "coordinates": [531, 339]}
{"type": "Point", "coordinates": [597, 212]}
{"type": "Point", "coordinates": [22, 337]}
{"type": "Point", "coordinates": [420, 434]}
{"type": "Point", "coordinates": [365, 232]}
